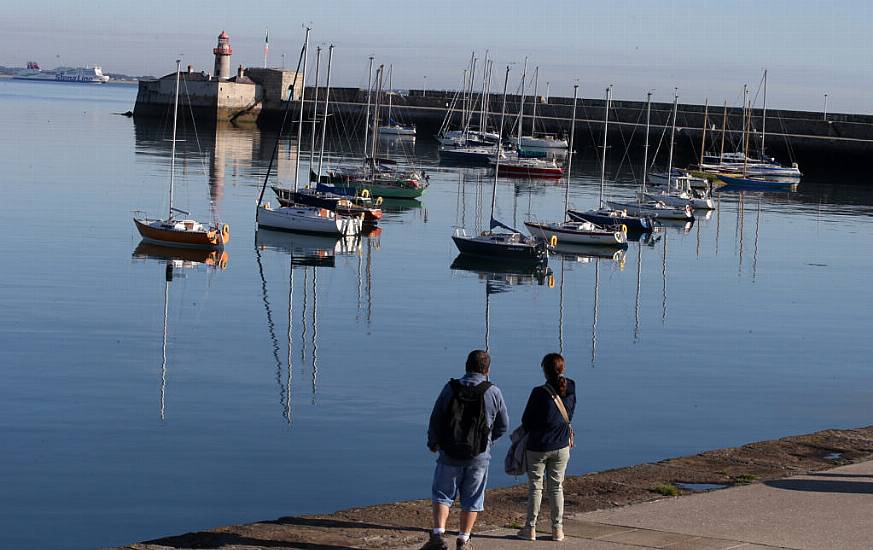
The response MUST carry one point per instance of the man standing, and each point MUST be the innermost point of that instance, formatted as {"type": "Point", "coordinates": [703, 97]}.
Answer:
{"type": "Point", "coordinates": [468, 415]}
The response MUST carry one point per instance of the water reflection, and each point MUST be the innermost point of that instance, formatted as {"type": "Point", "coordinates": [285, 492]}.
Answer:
{"type": "Point", "coordinates": [499, 277]}
{"type": "Point", "coordinates": [284, 400]}
{"type": "Point", "coordinates": [308, 253]}
{"type": "Point", "coordinates": [182, 258]}
{"type": "Point", "coordinates": [307, 249]}
{"type": "Point", "coordinates": [503, 275]}
{"type": "Point", "coordinates": [175, 259]}
{"type": "Point", "coordinates": [224, 152]}
{"type": "Point", "coordinates": [582, 253]}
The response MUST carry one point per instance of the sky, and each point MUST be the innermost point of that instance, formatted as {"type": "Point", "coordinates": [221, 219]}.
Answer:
{"type": "Point", "coordinates": [706, 48]}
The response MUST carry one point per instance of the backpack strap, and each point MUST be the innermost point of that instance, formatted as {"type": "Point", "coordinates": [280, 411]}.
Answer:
{"type": "Point", "coordinates": [563, 410]}
{"type": "Point", "coordinates": [478, 389]}
{"type": "Point", "coordinates": [558, 402]}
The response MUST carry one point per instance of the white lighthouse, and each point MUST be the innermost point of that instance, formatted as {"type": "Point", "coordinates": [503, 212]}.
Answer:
{"type": "Point", "coordinates": [222, 52]}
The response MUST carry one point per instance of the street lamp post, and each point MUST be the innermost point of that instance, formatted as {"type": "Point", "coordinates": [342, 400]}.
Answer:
{"type": "Point", "coordinates": [424, 88]}
{"type": "Point", "coordinates": [283, 61]}
{"type": "Point", "coordinates": [825, 112]}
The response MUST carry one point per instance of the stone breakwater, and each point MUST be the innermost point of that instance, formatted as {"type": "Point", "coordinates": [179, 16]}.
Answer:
{"type": "Point", "coordinates": [403, 524]}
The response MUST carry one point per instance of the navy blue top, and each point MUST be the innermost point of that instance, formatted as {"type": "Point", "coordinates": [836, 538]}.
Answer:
{"type": "Point", "coordinates": [543, 421]}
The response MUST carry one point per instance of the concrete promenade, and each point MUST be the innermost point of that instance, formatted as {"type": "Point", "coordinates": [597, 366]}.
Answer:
{"type": "Point", "coordinates": [809, 491]}
{"type": "Point", "coordinates": [830, 509]}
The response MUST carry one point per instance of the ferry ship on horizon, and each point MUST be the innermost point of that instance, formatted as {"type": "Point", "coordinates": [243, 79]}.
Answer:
{"type": "Point", "coordinates": [84, 75]}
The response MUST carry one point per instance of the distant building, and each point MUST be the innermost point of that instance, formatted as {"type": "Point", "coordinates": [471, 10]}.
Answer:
{"type": "Point", "coordinates": [219, 96]}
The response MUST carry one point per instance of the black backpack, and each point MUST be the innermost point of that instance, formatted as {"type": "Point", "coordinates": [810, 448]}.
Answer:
{"type": "Point", "coordinates": [465, 430]}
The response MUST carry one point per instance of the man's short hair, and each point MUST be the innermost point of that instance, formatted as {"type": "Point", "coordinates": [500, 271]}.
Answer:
{"type": "Point", "coordinates": [478, 361]}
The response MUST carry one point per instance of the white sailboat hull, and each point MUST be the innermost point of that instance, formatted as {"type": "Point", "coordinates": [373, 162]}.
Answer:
{"type": "Point", "coordinates": [679, 200]}
{"type": "Point", "coordinates": [665, 212]}
{"type": "Point", "coordinates": [541, 143]}
{"type": "Point", "coordinates": [459, 137]}
{"type": "Point", "coordinates": [576, 233]}
{"type": "Point", "coordinates": [307, 220]}
{"type": "Point", "coordinates": [396, 131]}
{"type": "Point", "coordinates": [661, 180]}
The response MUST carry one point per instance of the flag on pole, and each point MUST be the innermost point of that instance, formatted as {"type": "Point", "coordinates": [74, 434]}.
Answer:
{"type": "Point", "coordinates": [266, 45]}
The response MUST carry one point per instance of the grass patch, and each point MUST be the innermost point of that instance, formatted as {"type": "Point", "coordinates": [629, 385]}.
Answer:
{"type": "Point", "coordinates": [746, 478]}
{"type": "Point", "coordinates": [667, 490]}
{"type": "Point", "coordinates": [515, 525]}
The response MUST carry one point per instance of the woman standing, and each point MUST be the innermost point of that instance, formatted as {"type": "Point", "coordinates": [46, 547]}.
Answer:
{"type": "Point", "coordinates": [547, 419]}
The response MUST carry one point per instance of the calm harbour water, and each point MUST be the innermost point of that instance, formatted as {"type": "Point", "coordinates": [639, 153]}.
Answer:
{"type": "Point", "coordinates": [752, 324]}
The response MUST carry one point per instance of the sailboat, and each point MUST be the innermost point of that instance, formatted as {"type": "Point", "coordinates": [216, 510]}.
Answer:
{"type": "Point", "coordinates": [465, 145]}
{"type": "Point", "coordinates": [740, 165]}
{"type": "Point", "coordinates": [542, 142]}
{"type": "Point", "coordinates": [527, 166]}
{"type": "Point", "coordinates": [466, 135]}
{"type": "Point", "coordinates": [309, 219]}
{"type": "Point", "coordinates": [682, 179]}
{"type": "Point", "coordinates": [507, 245]}
{"type": "Point", "coordinates": [394, 128]}
{"type": "Point", "coordinates": [379, 176]}
{"type": "Point", "coordinates": [180, 232]}
{"type": "Point", "coordinates": [679, 192]}
{"type": "Point", "coordinates": [611, 217]}
{"type": "Point", "coordinates": [322, 198]}
{"type": "Point", "coordinates": [576, 232]}
{"type": "Point", "coordinates": [657, 208]}
{"type": "Point", "coordinates": [517, 163]}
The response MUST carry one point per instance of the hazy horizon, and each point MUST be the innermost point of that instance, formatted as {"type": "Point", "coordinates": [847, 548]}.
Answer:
{"type": "Point", "coordinates": [707, 51]}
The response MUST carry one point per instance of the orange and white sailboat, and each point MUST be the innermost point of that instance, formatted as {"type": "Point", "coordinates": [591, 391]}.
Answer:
{"type": "Point", "coordinates": [175, 231]}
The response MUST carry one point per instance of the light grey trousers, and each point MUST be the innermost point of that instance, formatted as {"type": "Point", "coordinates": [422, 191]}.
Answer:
{"type": "Point", "coordinates": [550, 465]}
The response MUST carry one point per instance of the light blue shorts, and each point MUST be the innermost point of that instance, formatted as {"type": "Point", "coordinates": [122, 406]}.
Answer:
{"type": "Point", "coordinates": [467, 481]}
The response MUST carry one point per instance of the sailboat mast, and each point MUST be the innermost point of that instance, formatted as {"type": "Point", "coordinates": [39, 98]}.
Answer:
{"type": "Point", "coordinates": [533, 118]}
{"type": "Point", "coordinates": [570, 153]}
{"type": "Point", "coordinates": [746, 128]}
{"type": "Point", "coordinates": [486, 76]}
{"type": "Point", "coordinates": [521, 103]}
{"type": "Point", "coordinates": [314, 113]}
{"type": "Point", "coordinates": [764, 117]}
{"type": "Point", "coordinates": [672, 138]}
{"type": "Point", "coordinates": [703, 135]}
{"type": "Point", "coordinates": [326, 104]}
{"type": "Point", "coordinates": [603, 156]}
{"type": "Point", "coordinates": [374, 138]}
{"type": "Point", "coordinates": [285, 114]}
{"type": "Point", "coordinates": [646, 146]}
{"type": "Point", "coordinates": [469, 120]}
{"type": "Point", "coordinates": [390, 91]}
{"type": "Point", "coordinates": [745, 114]}
{"type": "Point", "coordinates": [173, 145]}
{"type": "Point", "coordinates": [499, 143]}
{"type": "Point", "coordinates": [367, 116]}
{"type": "Point", "coordinates": [302, 103]}
{"type": "Point", "coordinates": [723, 133]}
{"type": "Point", "coordinates": [464, 103]}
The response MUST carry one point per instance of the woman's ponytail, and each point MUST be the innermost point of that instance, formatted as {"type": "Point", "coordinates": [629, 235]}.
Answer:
{"type": "Point", "coordinates": [553, 368]}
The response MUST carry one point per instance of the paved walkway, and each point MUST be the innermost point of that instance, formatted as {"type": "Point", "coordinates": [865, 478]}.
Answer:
{"type": "Point", "coordinates": [824, 510]}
